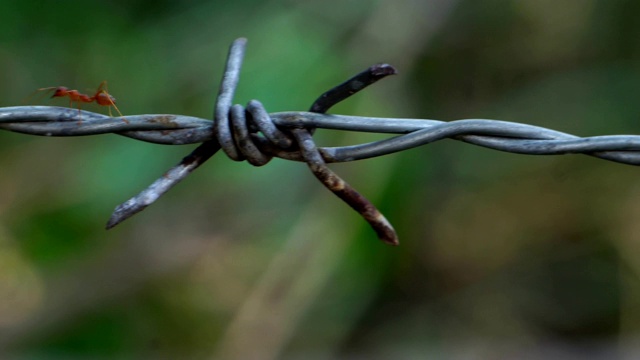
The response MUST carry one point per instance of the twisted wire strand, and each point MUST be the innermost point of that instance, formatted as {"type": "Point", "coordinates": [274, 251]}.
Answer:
{"type": "Point", "coordinates": [254, 135]}
{"type": "Point", "coordinates": [181, 130]}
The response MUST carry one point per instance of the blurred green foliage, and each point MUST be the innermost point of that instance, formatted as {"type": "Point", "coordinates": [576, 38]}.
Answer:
{"type": "Point", "coordinates": [501, 255]}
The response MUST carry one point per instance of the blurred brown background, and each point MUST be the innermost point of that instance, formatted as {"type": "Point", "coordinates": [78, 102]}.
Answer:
{"type": "Point", "coordinates": [501, 256]}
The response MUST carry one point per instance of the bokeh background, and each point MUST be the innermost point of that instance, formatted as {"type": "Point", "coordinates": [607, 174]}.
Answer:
{"type": "Point", "coordinates": [501, 256]}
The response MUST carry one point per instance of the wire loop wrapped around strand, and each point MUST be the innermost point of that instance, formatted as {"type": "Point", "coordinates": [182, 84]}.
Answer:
{"type": "Point", "coordinates": [254, 135]}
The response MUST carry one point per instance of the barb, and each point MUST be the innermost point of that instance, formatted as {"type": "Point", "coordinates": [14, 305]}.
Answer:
{"type": "Point", "coordinates": [318, 166]}
{"type": "Point", "coordinates": [254, 135]}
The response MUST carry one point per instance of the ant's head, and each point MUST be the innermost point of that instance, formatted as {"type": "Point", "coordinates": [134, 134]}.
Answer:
{"type": "Point", "coordinates": [60, 91]}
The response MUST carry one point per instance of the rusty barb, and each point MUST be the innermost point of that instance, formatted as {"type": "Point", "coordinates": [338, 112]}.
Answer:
{"type": "Point", "coordinates": [254, 135]}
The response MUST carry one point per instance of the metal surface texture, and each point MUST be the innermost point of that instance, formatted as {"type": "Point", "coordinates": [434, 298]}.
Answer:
{"type": "Point", "coordinates": [254, 135]}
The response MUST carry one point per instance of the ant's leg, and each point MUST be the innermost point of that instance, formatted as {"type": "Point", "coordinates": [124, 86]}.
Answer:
{"type": "Point", "coordinates": [112, 103]}
{"type": "Point", "coordinates": [119, 113]}
{"type": "Point", "coordinates": [102, 85]}
{"type": "Point", "coordinates": [79, 111]}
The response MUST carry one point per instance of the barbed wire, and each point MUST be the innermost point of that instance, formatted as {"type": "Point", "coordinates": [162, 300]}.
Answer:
{"type": "Point", "coordinates": [254, 135]}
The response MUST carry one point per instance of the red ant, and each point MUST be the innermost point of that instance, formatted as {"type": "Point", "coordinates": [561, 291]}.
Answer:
{"type": "Point", "coordinates": [101, 97]}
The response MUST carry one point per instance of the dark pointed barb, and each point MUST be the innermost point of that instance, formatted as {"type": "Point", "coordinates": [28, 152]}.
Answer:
{"type": "Point", "coordinates": [351, 86]}
{"type": "Point", "coordinates": [319, 168]}
{"type": "Point", "coordinates": [159, 187]}
{"type": "Point", "coordinates": [342, 189]}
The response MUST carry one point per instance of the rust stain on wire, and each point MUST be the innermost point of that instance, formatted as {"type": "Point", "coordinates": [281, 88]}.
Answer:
{"type": "Point", "coordinates": [257, 136]}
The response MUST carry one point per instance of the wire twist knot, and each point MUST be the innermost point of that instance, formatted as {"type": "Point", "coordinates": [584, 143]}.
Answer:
{"type": "Point", "coordinates": [244, 133]}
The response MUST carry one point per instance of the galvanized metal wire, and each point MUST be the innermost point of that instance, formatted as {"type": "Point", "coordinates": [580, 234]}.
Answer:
{"type": "Point", "coordinates": [254, 135]}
